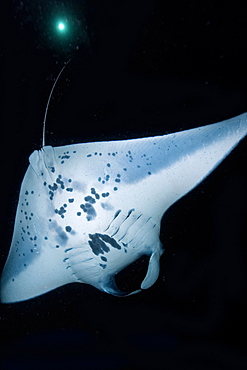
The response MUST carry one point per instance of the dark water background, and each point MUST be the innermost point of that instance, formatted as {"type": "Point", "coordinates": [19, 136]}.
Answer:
{"type": "Point", "coordinates": [138, 68]}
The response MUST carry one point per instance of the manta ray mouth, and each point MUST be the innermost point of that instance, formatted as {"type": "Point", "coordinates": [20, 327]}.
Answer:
{"type": "Point", "coordinates": [137, 267]}
{"type": "Point", "coordinates": [110, 287]}
{"type": "Point", "coordinates": [130, 278]}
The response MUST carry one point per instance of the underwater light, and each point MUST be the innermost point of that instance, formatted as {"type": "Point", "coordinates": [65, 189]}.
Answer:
{"type": "Point", "coordinates": [61, 26]}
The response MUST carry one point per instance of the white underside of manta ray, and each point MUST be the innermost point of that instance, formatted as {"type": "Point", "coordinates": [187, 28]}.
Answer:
{"type": "Point", "coordinates": [86, 211]}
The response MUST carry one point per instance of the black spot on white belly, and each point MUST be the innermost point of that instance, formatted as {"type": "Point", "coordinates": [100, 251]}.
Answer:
{"type": "Point", "coordinates": [101, 243]}
{"type": "Point", "coordinates": [89, 209]}
{"type": "Point", "coordinates": [89, 199]}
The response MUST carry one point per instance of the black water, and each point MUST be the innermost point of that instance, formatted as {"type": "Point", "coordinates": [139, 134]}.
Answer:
{"type": "Point", "coordinates": [138, 68]}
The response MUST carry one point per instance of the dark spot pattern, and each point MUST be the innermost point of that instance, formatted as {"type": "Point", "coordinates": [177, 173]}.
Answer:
{"type": "Point", "coordinates": [90, 199]}
{"type": "Point", "coordinates": [60, 211]}
{"type": "Point", "coordinates": [60, 182]}
{"type": "Point", "coordinates": [68, 229]}
{"type": "Point", "coordinates": [65, 156]}
{"type": "Point", "coordinates": [133, 165]}
{"type": "Point", "coordinates": [26, 243]}
{"type": "Point", "coordinates": [101, 243]}
{"type": "Point", "coordinates": [86, 207]}
{"type": "Point", "coordinates": [53, 188]}
{"type": "Point", "coordinates": [93, 191]}
{"type": "Point", "coordinates": [89, 210]}
{"type": "Point", "coordinates": [137, 163]}
{"type": "Point", "coordinates": [136, 168]}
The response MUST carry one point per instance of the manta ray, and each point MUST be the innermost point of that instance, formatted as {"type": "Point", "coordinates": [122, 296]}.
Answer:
{"type": "Point", "coordinates": [86, 211]}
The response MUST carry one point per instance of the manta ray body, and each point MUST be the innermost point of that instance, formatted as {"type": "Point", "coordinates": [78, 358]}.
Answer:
{"type": "Point", "coordinates": [86, 211]}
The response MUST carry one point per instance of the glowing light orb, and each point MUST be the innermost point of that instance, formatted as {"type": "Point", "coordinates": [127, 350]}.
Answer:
{"type": "Point", "coordinates": [61, 26]}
